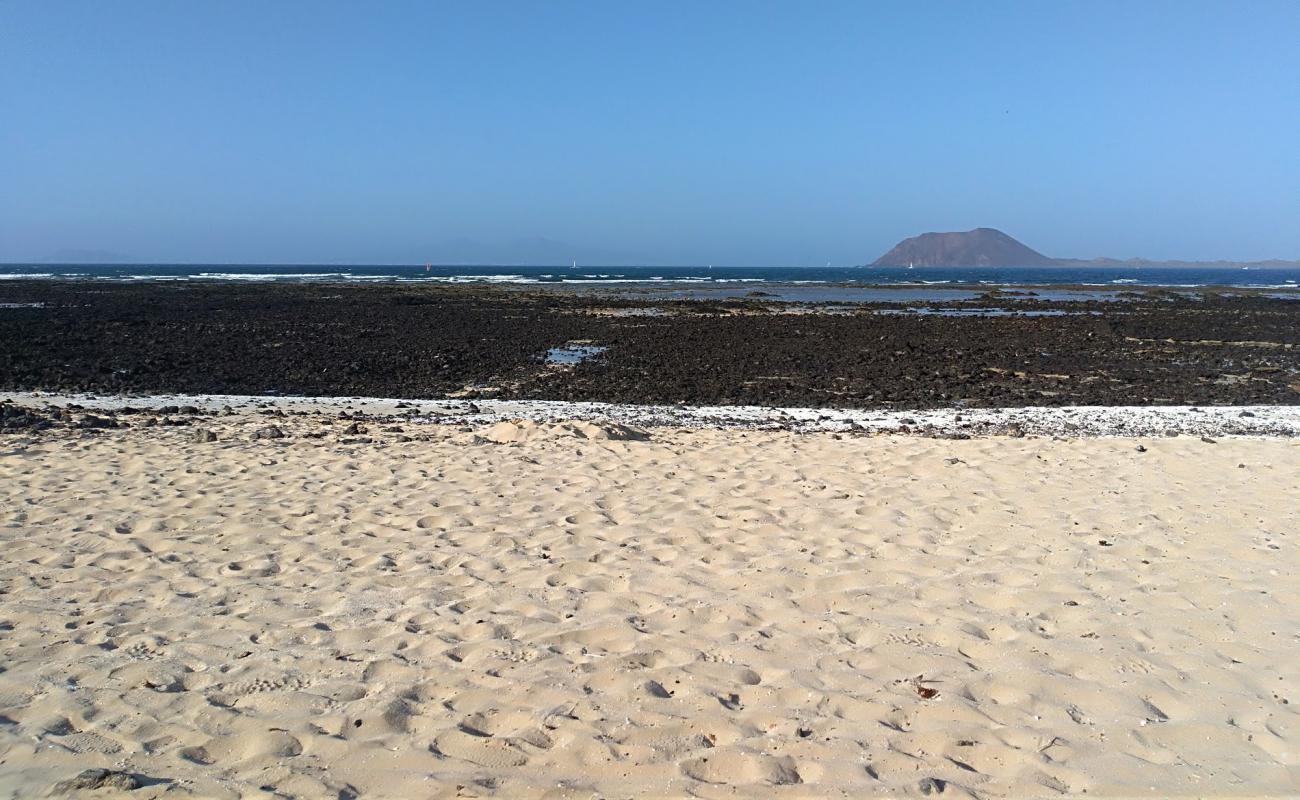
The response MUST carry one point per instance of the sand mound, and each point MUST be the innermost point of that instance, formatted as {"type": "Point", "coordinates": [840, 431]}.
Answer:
{"type": "Point", "coordinates": [509, 432]}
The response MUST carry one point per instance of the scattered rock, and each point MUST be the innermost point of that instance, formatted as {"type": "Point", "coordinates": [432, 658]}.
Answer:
{"type": "Point", "coordinates": [611, 431]}
{"type": "Point", "coordinates": [731, 702]}
{"type": "Point", "coordinates": [92, 779]}
{"type": "Point", "coordinates": [14, 419]}
{"type": "Point", "coordinates": [203, 436]}
{"type": "Point", "coordinates": [92, 421]}
{"type": "Point", "coordinates": [1141, 448]}
{"type": "Point", "coordinates": [512, 432]}
{"type": "Point", "coordinates": [929, 786]}
{"type": "Point", "coordinates": [269, 432]}
{"type": "Point", "coordinates": [1208, 440]}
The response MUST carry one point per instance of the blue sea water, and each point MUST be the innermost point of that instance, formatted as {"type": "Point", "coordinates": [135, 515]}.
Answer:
{"type": "Point", "coordinates": [676, 277]}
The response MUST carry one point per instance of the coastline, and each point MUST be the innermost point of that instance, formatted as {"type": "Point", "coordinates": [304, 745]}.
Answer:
{"type": "Point", "coordinates": [426, 342]}
{"type": "Point", "coordinates": [552, 564]}
{"type": "Point", "coordinates": [1051, 421]}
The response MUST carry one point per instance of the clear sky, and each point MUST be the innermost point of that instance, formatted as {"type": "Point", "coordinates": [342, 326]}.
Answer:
{"type": "Point", "coordinates": [748, 133]}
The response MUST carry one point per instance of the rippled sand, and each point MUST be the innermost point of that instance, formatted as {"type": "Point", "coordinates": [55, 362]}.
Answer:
{"type": "Point", "coordinates": [711, 613]}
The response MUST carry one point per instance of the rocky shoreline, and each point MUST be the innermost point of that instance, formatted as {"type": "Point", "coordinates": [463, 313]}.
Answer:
{"type": "Point", "coordinates": [1001, 350]}
{"type": "Point", "coordinates": [376, 420]}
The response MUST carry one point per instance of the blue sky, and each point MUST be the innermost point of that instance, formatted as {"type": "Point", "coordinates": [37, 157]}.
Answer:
{"type": "Point", "coordinates": [747, 133]}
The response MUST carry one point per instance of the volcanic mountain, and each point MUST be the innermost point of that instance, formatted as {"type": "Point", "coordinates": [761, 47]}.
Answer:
{"type": "Point", "coordinates": [982, 247]}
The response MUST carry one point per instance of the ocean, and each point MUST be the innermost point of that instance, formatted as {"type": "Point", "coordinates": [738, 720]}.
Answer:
{"type": "Point", "coordinates": [684, 278]}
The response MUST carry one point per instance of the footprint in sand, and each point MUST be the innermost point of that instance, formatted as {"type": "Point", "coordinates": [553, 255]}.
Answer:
{"type": "Point", "coordinates": [89, 742]}
{"type": "Point", "coordinates": [243, 747]}
{"type": "Point", "coordinates": [737, 767]}
{"type": "Point", "coordinates": [485, 751]}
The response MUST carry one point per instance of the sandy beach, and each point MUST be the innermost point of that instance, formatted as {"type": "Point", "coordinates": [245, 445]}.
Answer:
{"type": "Point", "coordinates": [583, 610]}
{"type": "Point", "coordinates": [606, 401]}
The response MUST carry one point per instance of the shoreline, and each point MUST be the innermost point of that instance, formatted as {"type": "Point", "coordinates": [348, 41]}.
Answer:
{"type": "Point", "coordinates": [1062, 421]}
{"type": "Point", "coordinates": [469, 342]}
{"type": "Point", "coordinates": [853, 292]}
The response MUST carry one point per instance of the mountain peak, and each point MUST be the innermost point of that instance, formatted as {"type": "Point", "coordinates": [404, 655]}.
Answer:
{"type": "Point", "coordinates": [981, 247]}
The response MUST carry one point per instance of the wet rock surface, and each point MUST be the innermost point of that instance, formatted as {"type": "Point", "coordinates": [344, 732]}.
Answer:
{"type": "Point", "coordinates": [474, 342]}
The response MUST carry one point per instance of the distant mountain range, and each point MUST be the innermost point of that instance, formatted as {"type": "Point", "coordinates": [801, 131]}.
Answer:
{"type": "Point", "coordinates": [989, 247]}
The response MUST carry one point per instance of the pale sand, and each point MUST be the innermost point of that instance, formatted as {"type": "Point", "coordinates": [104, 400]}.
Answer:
{"type": "Point", "coordinates": [712, 613]}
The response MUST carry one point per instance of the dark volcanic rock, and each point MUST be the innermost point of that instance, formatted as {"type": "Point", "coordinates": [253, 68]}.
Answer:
{"type": "Point", "coordinates": [92, 421]}
{"type": "Point", "coordinates": [269, 432]}
{"type": "Point", "coordinates": [93, 779]}
{"type": "Point", "coordinates": [432, 342]}
{"type": "Point", "coordinates": [14, 419]}
{"type": "Point", "coordinates": [982, 247]}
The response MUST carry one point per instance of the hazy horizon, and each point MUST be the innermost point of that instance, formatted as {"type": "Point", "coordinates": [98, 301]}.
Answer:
{"type": "Point", "coordinates": [745, 134]}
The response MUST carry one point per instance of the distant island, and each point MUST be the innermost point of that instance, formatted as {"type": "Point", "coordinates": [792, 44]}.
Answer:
{"type": "Point", "coordinates": [989, 247]}
{"type": "Point", "coordinates": [982, 247]}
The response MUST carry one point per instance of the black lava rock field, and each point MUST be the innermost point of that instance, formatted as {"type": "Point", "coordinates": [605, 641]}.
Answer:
{"type": "Point", "coordinates": [419, 341]}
